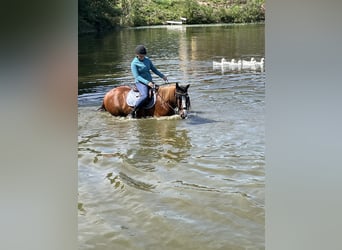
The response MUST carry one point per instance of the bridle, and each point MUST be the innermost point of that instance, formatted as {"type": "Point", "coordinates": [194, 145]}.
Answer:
{"type": "Point", "coordinates": [182, 101]}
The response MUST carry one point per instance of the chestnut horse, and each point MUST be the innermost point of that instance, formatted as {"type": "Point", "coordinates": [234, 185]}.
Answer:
{"type": "Point", "coordinates": [171, 99]}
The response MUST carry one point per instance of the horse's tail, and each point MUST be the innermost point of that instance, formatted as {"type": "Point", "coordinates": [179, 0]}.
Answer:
{"type": "Point", "coordinates": [102, 108]}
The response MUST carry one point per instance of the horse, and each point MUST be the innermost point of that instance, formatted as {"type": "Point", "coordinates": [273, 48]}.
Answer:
{"type": "Point", "coordinates": [168, 99]}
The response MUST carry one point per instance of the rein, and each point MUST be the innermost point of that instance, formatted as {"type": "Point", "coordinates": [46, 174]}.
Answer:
{"type": "Point", "coordinates": [174, 109]}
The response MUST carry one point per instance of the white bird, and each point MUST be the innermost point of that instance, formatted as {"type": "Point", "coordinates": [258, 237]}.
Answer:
{"type": "Point", "coordinates": [219, 64]}
{"type": "Point", "coordinates": [261, 63]}
{"type": "Point", "coordinates": [235, 65]}
{"type": "Point", "coordinates": [248, 63]}
{"type": "Point", "coordinates": [239, 65]}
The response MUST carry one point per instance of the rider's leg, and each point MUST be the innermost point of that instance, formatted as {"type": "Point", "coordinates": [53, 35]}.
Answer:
{"type": "Point", "coordinates": [143, 90]}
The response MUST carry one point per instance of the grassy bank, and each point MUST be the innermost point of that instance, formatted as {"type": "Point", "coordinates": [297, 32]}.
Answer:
{"type": "Point", "coordinates": [103, 15]}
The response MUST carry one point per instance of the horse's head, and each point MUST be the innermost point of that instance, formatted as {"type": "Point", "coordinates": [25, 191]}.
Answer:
{"type": "Point", "coordinates": [182, 100]}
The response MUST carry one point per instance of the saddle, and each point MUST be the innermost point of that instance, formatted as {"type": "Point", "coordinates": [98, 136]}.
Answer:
{"type": "Point", "coordinates": [133, 96]}
{"type": "Point", "coordinates": [150, 91]}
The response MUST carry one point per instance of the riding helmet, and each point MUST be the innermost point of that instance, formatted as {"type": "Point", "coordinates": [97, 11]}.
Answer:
{"type": "Point", "coordinates": [141, 50]}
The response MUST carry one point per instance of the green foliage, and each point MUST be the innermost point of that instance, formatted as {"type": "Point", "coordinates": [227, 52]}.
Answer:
{"type": "Point", "coordinates": [246, 13]}
{"type": "Point", "coordinates": [196, 13]}
{"type": "Point", "coordinates": [99, 15]}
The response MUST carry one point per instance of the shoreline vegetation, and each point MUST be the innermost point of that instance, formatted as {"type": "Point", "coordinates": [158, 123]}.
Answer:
{"type": "Point", "coordinates": [99, 16]}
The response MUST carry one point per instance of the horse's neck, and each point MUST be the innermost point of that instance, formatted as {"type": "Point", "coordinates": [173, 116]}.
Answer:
{"type": "Point", "coordinates": [168, 93]}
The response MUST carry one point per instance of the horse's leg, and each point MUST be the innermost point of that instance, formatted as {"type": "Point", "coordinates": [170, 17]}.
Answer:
{"type": "Point", "coordinates": [102, 108]}
{"type": "Point", "coordinates": [122, 105]}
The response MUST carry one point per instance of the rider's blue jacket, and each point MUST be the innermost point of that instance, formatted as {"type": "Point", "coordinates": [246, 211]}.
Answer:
{"type": "Point", "coordinates": [141, 70]}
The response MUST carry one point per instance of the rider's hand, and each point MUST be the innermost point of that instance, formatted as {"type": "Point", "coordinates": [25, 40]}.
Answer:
{"type": "Point", "coordinates": [151, 84]}
{"type": "Point", "coordinates": [165, 78]}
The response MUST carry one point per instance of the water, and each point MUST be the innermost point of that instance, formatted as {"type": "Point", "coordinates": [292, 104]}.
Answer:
{"type": "Point", "coordinates": [168, 183]}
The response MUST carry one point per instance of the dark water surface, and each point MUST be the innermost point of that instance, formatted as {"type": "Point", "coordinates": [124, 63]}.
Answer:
{"type": "Point", "coordinates": [168, 183]}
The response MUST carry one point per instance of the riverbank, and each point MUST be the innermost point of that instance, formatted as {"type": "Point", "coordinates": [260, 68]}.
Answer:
{"type": "Point", "coordinates": [102, 15]}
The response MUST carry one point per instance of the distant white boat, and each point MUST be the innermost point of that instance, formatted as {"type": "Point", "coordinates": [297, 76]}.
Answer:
{"type": "Point", "coordinates": [174, 22]}
{"type": "Point", "coordinates": [182, 21]}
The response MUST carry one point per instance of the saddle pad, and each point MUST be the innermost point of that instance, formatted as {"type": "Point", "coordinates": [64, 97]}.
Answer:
{"type": "Point", "coordinates": [133, 97]}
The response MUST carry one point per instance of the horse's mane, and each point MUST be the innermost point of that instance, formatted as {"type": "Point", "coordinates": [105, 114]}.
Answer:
{"type": "Point", "coordinates": [167, 85]}
{"type": "Point", "coordinates": [167, 90]}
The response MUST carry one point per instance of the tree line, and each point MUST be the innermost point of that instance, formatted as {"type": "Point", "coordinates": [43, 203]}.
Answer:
{"type": "Point", "coordinates": [104, 15]}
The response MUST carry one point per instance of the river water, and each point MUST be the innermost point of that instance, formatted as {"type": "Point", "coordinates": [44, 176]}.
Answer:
{"type": "Point", "coordinates": [168, 183]}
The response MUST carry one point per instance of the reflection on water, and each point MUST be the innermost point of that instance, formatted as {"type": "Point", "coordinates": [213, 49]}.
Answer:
{"type": "Point", "coordinates": [119, 181]}
{"type": "Point", "coordinates": [170, 183]}
{"type": "Point", "coordinates": [159, 138]}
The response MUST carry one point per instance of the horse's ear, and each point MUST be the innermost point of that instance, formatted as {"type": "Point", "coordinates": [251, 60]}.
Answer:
{"type": "Point", "coordinates": [187, 86]}
{"type": "Point", "coordinates": [177, 86]}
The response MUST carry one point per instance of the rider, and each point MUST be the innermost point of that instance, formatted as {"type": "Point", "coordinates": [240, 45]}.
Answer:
{"type": "Point", "coordinates": [141, 66]}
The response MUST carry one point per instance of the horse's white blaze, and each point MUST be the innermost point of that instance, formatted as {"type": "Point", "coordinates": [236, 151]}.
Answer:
{"type": "Point", "coordinates": [183, 102]}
